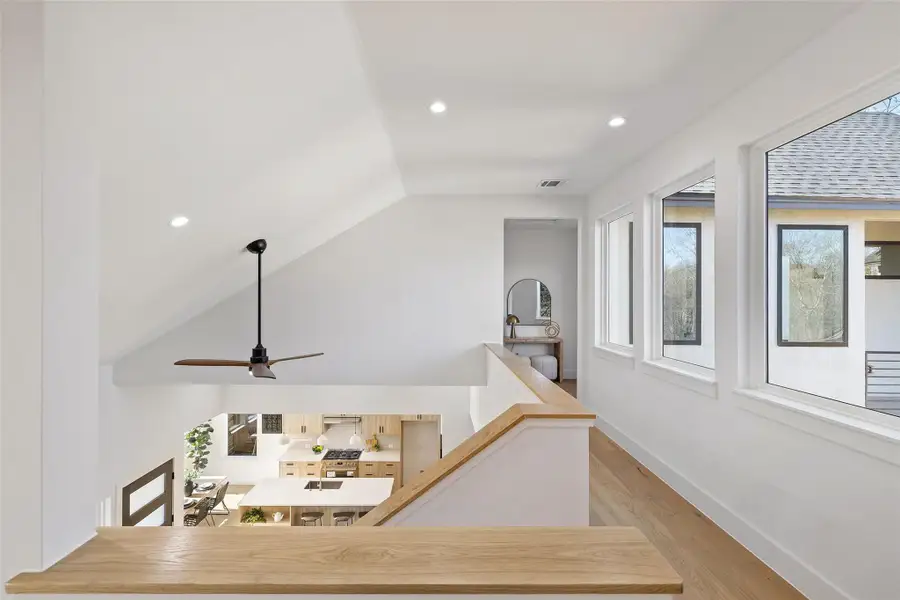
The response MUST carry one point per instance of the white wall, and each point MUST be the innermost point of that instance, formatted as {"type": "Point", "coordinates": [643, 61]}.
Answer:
{"type": "Point", "coordinates": [548, 254]}
{"type": "Point", "coordinates": [528, 485]}
{"type": "Point", "coordinates": [50, 319]}
{"type": "Point", "coordinates": [142, 427]}
{"type": "Point", "coordinates": [503, 389]}
{"type": "Point", "coordinates": [882, 314]}
{"type": "Point", "coordinates": [813, 497]}
{"type": "Point", "coordinates": [404, 298]}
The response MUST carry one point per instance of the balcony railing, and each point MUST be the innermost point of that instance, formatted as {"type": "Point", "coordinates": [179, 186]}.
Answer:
{"type": "Point", "coordinates": [883, 381]}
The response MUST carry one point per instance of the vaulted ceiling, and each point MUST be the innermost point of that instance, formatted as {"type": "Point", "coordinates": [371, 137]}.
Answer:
{"type": "Point", "coordinates": [295, 121]}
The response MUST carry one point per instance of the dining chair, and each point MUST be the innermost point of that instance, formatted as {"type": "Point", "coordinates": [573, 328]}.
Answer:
{"type": "Point", "coordinates": [201, 513]}
{"type": "Point", "coordinates": [219, 500]}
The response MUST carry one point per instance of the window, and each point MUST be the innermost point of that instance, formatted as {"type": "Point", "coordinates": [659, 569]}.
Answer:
{"type": "Point", "coordinates": [687, 290]}
{"type": "Point", "coordinates": [271, 424]}
{"type": "Point", "coordinates": [242, 430]}
{"type": "Point", "coordinates": [833, 260]}
{"type": "Point", "coordinates": [882, 260]}
{"type": "Point", "coordinates": [620, 280]}
{"type": "Point", "coordinates": [812, 285]}
{"type": "Point", "coordinates": [681, 283]}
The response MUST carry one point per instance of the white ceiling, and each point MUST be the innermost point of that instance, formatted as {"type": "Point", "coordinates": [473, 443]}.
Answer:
{"type": "Point", "coordinates": [294, 121]}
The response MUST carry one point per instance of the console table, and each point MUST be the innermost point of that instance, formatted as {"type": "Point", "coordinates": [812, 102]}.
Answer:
{"type": "Point", "coordinates": [556, 346]}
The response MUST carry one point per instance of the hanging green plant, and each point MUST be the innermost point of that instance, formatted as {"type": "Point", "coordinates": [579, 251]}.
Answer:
{"type": "Point", "coordinates": [197, 442]}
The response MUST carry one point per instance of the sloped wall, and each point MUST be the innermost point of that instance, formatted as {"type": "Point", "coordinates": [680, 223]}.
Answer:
{"type": "Point", "coordinates": [404, 298]}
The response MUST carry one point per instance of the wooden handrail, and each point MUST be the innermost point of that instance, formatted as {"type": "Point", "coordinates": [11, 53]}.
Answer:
{"type": "Point", "coordinates": [348, 560]}
{"type": "Point", "coordinates": [463, 453]}
{"type": "Point", "coordinates": [555, 403]}
{"type": "Point", "coordinates": [546, 391]}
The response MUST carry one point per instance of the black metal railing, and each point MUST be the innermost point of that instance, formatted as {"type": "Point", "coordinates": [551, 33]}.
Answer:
{"type": "Point", "coordinates": [883, 381]}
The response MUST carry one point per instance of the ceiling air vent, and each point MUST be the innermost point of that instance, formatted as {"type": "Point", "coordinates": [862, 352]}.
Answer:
{"type": "Point", "coordinates": [551, 183]}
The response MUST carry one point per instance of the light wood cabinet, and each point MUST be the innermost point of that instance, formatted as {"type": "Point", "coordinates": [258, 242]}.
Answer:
{"type": "Point", "coordinates": [312, 469]}
{"type": "Point", "coordinates": [289, 469]}
{"type": "Point", "coordinates": [369, 468]}
{"type": "Point", "coordinates": [310, 425]}
{"type": "Point", "coordinates": [391, 469]}
{"type": "Point", "coordinates": [381, 424]}
{"type": "Point", "coordinates": [390, 424]}
{"type": "Point", "coordinates": [420, 417]}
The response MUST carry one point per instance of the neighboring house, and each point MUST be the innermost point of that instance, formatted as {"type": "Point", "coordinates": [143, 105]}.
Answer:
{"type": "Point", "coordinates": [834, 204]}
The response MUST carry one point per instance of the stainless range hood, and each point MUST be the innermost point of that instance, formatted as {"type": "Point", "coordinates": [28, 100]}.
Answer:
{"type": "Point", "coordinates": [341, 419]}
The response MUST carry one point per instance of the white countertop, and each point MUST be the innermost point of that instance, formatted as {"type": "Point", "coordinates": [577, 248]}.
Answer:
{"type": "Point", "coordinates": [288, 491]}
{"type": "Point", "coordinates": [296, 452]}
{"type": "Point", "coordinates": [382, 455]}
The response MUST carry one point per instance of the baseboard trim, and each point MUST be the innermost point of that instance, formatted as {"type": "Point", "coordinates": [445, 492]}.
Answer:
{"type": "Point", "coordinates": [806, 579]}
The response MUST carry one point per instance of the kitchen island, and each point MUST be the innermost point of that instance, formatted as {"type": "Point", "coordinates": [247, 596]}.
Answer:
{"type": "Point", "coordinates": [292, 496]}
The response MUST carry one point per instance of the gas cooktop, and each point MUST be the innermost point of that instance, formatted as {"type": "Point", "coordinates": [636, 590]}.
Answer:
{"type": "Point", "coordinates": [343, 454]}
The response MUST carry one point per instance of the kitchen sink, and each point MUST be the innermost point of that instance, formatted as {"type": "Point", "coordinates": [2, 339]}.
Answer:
{"type": "Point", "coordinates": [325, 485]}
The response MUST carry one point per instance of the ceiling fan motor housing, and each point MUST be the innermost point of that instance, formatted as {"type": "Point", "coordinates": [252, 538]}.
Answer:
{"type": "Point", "coordinates": [259, 355]}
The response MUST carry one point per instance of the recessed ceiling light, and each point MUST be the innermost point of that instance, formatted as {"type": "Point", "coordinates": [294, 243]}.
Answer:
{"type": "Point", "coordinates": [437, 107]}
{"type": "Point", "coordinates": [617, 121]}
{"type": "Point", "coordinates": [179, 221]}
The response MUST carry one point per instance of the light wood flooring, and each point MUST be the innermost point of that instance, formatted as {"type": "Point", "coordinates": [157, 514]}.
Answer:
{"type": "Point", "coordinates": [713, 565]}
{"type": "Point", "coordinates": [569, 385]}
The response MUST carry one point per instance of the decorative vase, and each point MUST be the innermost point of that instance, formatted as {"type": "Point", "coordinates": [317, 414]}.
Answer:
{"type": "Point", "coordinates": [189, 487]}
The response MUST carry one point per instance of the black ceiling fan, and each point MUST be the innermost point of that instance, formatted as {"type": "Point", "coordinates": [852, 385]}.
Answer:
{"type": "Point", "coordinates": [259, 362]}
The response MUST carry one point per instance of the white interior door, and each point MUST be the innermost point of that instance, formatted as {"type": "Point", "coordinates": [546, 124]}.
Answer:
{"type": "Point", "coordinates": [421, 447]}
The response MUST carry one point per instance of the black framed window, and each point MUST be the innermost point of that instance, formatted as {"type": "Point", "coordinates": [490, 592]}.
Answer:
{"type": "Point", "coordinates": [812, 284]}
{"type": "Point", "coordinates": [883, 260]}
{"type": "Point", "coordinates": [682, 267]}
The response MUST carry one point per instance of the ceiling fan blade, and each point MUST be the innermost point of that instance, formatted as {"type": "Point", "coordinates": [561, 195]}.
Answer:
{"type": "Point", "coordinates": [278, 360]}
{"type": "Point", "coordinates": [212, 362]}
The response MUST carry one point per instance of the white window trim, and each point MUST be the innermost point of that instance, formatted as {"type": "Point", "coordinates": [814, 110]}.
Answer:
{"type": "Point", "coordinates": [601, 288]}
{"type": "Point", "coordinates": [776, 402]}
{"type": "Point", "coordinates": [695, 377]}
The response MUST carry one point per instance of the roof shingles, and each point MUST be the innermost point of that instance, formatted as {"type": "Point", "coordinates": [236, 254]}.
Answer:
{"type": "Point", "coordinates": [856, 157]}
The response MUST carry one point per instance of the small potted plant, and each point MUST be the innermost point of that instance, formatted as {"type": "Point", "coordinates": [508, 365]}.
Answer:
{"type": "Point", "coordinates": [254, 515]}
{"type": "Point", "coordinates": [190, 475]}
{"type": "Point", "coordinates": [317, 449]}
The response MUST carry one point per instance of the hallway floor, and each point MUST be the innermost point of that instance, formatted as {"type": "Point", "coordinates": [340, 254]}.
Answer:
{"type": "Point", "coordinates": [713, 565]}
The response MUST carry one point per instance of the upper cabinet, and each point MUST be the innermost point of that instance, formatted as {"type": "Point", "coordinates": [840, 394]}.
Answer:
{"type": "Point", "coordinates": [381, 424]}
{"type": "Point", "coordinates": [420, 417]}
{"type": "Point", "coordinates": [296, 425]}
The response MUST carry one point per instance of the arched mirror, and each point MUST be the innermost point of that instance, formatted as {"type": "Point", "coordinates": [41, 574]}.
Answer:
{"type": "Point", "coordinates": [529, 301]}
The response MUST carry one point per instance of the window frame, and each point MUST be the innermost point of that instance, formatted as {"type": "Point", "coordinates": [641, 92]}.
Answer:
{"type": "Point", "coordinates": [869, 244]}
{"type": "Point", "coordinates": [863, 430]}
{"type": "Point", "coordinates": [698, 284]}
{"type": "Point", "coordinates": [654, 363]}
{"type": "Point", "coordinates": [779, 286]}
{"type": "Point", "coordinates": [602, 287]}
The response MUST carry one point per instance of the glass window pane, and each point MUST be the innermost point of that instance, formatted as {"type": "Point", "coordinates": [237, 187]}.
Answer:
{"type": "Point", "coordinates": [833, 240]}
{"type": "Point", "coordinates": [681, 297]}
{"type": "Point", "coordinates": [242, 438]}
{"type": "Point", "coordinates": [812, 293]}
{"type": "Point", "coordinates": [620, 280]}
{"type": "Point", "coordinates": [688, 285]}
